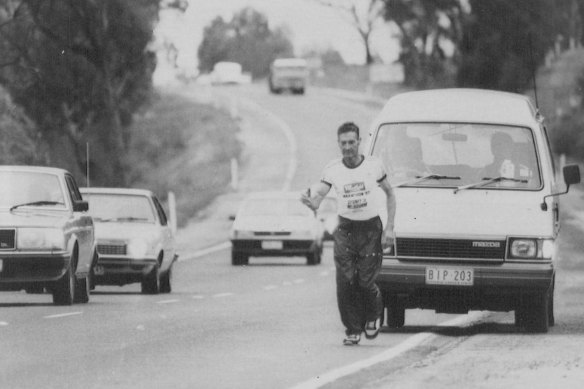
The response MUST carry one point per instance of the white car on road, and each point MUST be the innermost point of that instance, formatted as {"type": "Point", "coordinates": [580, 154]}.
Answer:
{"type": "Point", "coordinates": [135, 242]}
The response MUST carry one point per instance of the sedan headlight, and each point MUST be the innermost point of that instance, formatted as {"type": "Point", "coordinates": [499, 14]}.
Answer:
{"type": "Point", "coordinates": [40, 238]}
{"type": "Point", "coordinates": [137, 248]}
{"type": "Point", "coordinates": [523, 248]}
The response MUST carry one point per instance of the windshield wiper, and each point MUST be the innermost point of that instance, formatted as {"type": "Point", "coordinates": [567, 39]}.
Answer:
{"type": "Point", "coordinates": [129, 219]}
{"type": "Point", "coordinates": [487, 181]}
{"type": "Point", "coordinates": [428, 177]}
{"type": "Point", "coordinates": [35, 203]}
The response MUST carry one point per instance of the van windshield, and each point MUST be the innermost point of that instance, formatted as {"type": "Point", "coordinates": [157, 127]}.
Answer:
{"type": "Point", "coordinates": [457, 154]}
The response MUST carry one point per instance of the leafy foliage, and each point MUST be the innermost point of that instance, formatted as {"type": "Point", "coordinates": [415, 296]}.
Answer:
{"type": "Point", "coordinates": [246, 39]}
{"type": "Point", "coordinates": [80, 69]}
{"type": "Point", "coordinates": [504, 42]}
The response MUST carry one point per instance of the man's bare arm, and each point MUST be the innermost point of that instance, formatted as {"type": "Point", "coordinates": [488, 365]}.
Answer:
{"type": "Point", "coordinates": [314, 195]}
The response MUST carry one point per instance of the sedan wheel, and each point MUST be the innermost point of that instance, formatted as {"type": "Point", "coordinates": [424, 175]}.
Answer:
{"type": "Point", "coordinates": [151, 283]}
{"type": "Point", "coordinates": [83, 289]}
{"type": "Point", "coordinates": [64, 289]}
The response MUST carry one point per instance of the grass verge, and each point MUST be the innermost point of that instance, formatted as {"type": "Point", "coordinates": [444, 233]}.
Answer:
{"type": "Point", "coordinates": [186, 148]}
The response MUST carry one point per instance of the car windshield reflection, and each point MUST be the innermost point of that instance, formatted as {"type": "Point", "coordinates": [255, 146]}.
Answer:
{"type": "Point", "coordinates": [120, 208]}
{"type": "Point", "coordinates": [30, 189]}
{"type": "Point", "coordinates": [458, 154]}
{"type": "Point", "coordinates": [274, 207]}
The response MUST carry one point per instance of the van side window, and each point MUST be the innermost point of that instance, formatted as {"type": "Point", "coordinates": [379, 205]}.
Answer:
{"type": "Point", "coordinates": [548, 145]}
{"type": "Point", "coordinates": [161, 213]}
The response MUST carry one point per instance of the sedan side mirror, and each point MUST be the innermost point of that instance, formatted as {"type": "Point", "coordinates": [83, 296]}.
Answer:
{"type": "Point", "coordinates": [80, 206]}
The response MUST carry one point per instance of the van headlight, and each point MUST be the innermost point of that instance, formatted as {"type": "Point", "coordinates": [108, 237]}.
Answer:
{"type": "Point", "coordinates": [524, 248]}
{"type": "Point", "coordinates": [40, 238]}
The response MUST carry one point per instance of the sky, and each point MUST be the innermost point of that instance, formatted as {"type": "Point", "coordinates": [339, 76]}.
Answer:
{"type": "Point", "coordinates": [312, 26]}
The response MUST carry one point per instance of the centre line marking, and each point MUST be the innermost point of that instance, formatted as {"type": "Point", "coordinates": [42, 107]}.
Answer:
{"type": "Point", "coordinates": [219, 295]}
{"type": "Point", "coordinates": [270, 287]}
{"type": "Point", "coordinates": [198, 297]}
{"type": "Point", "coordinates": [168, 301]}
{"type": "Point", "coordinates": [3, 323]}
{"type": "Point", "coordinates": [299, 281]}
{"type": "Point", "coordinates": [62, 315]}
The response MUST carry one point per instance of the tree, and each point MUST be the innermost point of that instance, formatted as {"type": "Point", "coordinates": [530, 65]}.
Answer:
{"type": "Point", "coordinates": [504, 42]}
{"type": "Point", "coordinates": [80, 69]}
{"type": "Point", "coordinates": [363, 15]}
{"type": "Point", "coordinates": [246, 39]}
{"type": "Point", "coordinates": [426, 28]}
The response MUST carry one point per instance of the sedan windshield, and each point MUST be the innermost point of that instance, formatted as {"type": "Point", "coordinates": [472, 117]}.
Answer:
{"type": "Point", "coordinates": [274, 207]}
{"type": "Point", "coordinates": [30, 189]}
{"type": "Point", "coordinates": [458, 154]}
{"type": "Point", "coordinates": [120, 208]}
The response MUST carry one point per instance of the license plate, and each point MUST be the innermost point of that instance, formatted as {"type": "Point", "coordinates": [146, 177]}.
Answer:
{"type": "Point", "coordinates": [449, 276]}
{"type": "Point", "coordinates": [98, 270]}
{"type": "Point", "coordinates": [272, 245]}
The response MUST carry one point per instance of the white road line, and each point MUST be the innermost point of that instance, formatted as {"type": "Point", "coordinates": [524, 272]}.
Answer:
{"type": "Point", "coordinates": [207, 251]}
{"type": "Point", "coordinates": [299, 281]}
{"type": "Point", "coordinates": [198, 297]}
{"type": "Point", "coordinates": [3, 323]}
{"type": "Point", "coordinates": [270, 287]}
{"type": "Point", "coordinates": [286, 283]}
{"type": "Point", "coordinates": [168, 301]}
{"type": "Point", "coordinates": [219, 295]}
{"type": "Point", "coordinates": [59, 315]}
{"type": "Point", "coordinates": [406, 345]}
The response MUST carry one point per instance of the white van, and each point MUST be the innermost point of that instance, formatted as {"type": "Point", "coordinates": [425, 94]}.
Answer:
{"type": "Point", "coordinates": [288, 73]}
{"type": "Point", "coordinates": [477, 207]}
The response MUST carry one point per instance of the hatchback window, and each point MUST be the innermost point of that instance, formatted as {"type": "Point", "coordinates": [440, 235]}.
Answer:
{"type": "Point", "coordinates": [30, 189]}
{"type": "Point", "coordinates": [120, 208]}
{"type": "Point", "coordinates": [456, 154]}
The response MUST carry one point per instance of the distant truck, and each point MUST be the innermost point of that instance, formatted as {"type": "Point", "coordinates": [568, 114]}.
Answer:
{"type": "Point", "coordinates": [288, 73]}
{"type": "Point", "coordinates": [229, 73]}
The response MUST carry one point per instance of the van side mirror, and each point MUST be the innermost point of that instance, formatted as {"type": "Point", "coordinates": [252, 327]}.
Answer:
{"type": "Point", "coordinates": [571, 176]}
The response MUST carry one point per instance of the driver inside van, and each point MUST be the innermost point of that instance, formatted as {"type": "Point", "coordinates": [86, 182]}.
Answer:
{"type": "Point", "coordinates": [506, 159]}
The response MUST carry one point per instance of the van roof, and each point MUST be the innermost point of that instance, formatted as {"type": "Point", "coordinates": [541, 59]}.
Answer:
{"type": "Point", "coordinates": [459, 105]}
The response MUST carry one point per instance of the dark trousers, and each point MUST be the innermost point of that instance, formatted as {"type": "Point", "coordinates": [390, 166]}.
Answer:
{"type": "Point", "coordinates": [358, 256]}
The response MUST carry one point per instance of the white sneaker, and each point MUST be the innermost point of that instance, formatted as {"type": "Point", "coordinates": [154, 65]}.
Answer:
{"type": "Point", "coordinates": [372, 328]}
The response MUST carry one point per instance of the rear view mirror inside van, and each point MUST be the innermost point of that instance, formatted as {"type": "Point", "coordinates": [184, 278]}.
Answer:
{"type": "Point", "coordinates": [450, 137]}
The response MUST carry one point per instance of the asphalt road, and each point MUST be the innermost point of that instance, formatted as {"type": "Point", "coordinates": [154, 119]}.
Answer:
{"type": "Point", "coordinates": [274, 323]}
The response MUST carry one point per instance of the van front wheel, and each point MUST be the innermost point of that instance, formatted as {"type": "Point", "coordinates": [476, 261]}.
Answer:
{"type": "Point", "coordinates": [534, 313]}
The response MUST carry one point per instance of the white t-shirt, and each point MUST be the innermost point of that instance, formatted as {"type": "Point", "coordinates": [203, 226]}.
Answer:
{"type": "Point", "coordinates": [355, 187]}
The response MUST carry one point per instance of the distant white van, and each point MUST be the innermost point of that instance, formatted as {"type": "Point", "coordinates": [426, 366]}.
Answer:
{"type": "Point", "coordinates": [477, 207]}
{"type": "Point", "coordinates": [288, 74]}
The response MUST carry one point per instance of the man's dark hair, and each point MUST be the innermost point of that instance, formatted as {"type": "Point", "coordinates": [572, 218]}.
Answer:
{"type": "Point", "coordinates": [348, 127]}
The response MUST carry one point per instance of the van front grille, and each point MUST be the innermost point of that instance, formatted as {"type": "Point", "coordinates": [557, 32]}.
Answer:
{"type": "Point", "coordinates": [451, 248]}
